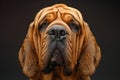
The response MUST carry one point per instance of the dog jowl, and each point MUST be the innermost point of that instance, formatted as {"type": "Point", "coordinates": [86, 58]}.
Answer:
{"type": "Point", "coordinates": [59, 45]}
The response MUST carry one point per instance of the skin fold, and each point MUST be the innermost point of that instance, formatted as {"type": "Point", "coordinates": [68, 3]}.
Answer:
{"type": "Point", "coordinates": [59, 45]}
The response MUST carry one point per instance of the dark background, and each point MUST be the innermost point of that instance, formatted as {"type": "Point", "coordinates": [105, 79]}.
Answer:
{"type": "Point", "coordinates": [103, 18]}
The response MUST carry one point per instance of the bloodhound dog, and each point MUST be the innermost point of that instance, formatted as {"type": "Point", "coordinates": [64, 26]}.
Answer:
{"type": "Point", "coordinates": [59, 45]}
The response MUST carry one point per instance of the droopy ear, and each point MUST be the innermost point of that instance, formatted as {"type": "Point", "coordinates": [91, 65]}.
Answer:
{"type": "Point", "coordinates": [27, 55]}
{"type": "Point", "coordinates": [90, 56]}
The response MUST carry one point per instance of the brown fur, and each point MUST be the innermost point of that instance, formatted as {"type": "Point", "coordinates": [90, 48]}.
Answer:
{"type": "Point", "coordinates": [82, 47]}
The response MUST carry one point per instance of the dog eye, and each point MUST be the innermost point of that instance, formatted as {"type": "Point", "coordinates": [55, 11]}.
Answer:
{"type": "Point", "coordinates": [43, 25]}
{"type": "Point", "coordinates": [74, 25]}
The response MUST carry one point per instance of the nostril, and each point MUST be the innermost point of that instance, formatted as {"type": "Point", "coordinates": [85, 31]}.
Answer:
{"type": "Point", "coordinates": [57, 32]}
{"type": "Point", "coordinates": [51, 32]}
{"type": "Point", "coordinates": [62, 32]}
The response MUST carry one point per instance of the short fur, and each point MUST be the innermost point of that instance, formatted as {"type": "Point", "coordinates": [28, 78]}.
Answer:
{"type": "Point", "coordinates": [83, 52]}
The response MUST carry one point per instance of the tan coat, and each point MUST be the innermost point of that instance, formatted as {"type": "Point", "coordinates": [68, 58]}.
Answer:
{"type": "Point", "coordinates": [83, 52]}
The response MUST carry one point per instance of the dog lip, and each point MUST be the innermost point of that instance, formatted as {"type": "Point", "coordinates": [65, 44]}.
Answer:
{"type": "Point", "coordinates": [55, 54]}
{"type": "Point", "coordinates": [56, 57]}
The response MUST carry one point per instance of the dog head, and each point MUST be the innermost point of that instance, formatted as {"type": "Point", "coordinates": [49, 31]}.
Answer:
{"type": "Point", "coordinates": [59, 37]}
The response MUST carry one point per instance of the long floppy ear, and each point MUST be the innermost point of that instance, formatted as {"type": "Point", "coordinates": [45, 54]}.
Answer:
{"type": "Point", "coordinates": [27, 54]}
{"type": "Point", "coordinates": [90, 56]}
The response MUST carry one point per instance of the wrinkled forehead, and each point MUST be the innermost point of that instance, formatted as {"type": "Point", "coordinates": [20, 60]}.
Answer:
{"type": "Point", "coordinates": [58, 8]}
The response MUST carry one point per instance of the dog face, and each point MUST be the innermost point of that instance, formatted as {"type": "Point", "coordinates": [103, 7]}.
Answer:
{"type": "Point", "coordinates": [58, 27]}
{"type": "Point", "coordinates": [59, 37]}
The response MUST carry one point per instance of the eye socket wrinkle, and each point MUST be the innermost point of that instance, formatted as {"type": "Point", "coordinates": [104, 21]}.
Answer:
{"type": "Point", "coordinates": [43, 25]}
{"type": "Point", "coordinates": [74, 25]}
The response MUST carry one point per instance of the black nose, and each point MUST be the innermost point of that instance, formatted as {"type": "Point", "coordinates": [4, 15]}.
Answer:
{"type": "Point", "coordinates": [57, 32]}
